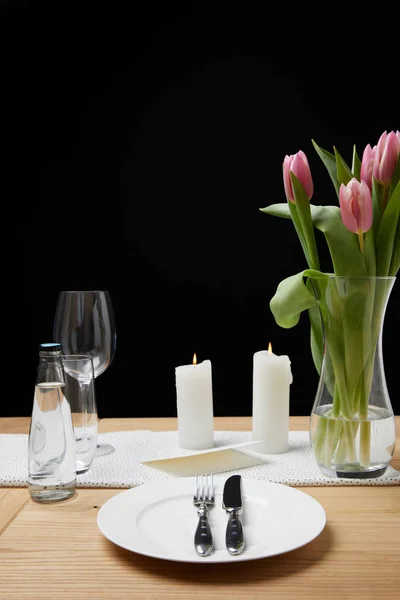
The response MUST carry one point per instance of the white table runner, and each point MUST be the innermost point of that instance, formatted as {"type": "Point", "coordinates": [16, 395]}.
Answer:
{"type": "Point", "coordinates": [124, 469]}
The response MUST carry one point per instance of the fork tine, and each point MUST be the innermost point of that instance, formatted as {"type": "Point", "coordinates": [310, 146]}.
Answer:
{"type": "Point", "coordinates": [204, 491]}
{"type": "Point", "coordinates": [211, 491]}
{"type": "Point", "coordinates": [204, 487]}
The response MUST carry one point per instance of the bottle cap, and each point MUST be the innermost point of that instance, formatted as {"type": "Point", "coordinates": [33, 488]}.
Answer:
{"type": "Point", "coordinates": [50, 347]}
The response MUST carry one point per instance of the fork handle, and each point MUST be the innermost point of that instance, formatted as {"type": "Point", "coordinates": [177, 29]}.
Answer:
{"type": "Point", "coordinates": [203, 541]}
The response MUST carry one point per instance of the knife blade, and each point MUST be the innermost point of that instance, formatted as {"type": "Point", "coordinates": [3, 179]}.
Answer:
{"type": "Point", "coordinates": [232, 503]}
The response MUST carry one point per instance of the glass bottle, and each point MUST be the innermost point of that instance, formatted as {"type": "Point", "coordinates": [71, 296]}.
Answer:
{"type": "Point", "coordinates": [51, 443]}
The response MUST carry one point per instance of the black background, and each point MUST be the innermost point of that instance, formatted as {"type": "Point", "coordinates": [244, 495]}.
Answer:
{"type": "Point", "coordinates": [138, 146]}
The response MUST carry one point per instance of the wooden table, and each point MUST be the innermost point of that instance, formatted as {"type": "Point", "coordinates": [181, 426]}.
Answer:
{"type": "Point", "coordinates": [57, 551]}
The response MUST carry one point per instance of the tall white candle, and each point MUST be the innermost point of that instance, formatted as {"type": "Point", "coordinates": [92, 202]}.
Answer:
{"type": "Point", "coordinates": [272, 377]}
{"type": "Point", "coordinates": [194, 400]}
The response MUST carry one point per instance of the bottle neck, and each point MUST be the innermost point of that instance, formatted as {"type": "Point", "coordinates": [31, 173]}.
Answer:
{"type": "Point", "coordinates": [50, 369]}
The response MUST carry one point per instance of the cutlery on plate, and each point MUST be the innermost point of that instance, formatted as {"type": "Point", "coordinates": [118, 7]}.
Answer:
{"type": "Point", "coordinates": [204, 499]}
{"type": "Point", "coordinates": [232, 503]}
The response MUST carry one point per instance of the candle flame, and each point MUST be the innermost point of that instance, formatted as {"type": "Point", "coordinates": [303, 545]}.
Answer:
{"type": "Point", "coordinates": [194, 359]}
{"type": "Point", "coordinates": [270, 348]}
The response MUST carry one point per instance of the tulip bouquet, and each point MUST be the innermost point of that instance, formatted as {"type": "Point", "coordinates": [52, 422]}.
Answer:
{"type": "Point", "coordinates": [362, 234]}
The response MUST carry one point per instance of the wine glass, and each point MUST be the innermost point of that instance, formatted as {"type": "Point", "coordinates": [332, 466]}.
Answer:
{"type": "Point", "coordinates": [84, 323]}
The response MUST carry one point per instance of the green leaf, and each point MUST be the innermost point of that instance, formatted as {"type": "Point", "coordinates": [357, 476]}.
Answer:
{"type": "Point", "coordinates": [307, 229]}
{"type": "Point", "coordinates": [356, 164]}
{"type": "Point", "coordinates": [387, 233]}
{"type": "Point", "coordinates": [395, 177]}
{"type": "Point", "coordinates": [329, 161]}
{"type": "Point", "coordinates": [288, 211]}
{"type": "Point", "coordinates": [316, 332]}
{"type": "Point", "coordinates": [370, 253]}
{"type": "Point", "coordinates": [299, 230]}
{"type": "Point", "coordinates": [376, 206]}
{"type": "Point", "coordinates": [277, 210]}
{"type": "Point", "coordinates": [347, 258]}
{"type": "Point", "coordinates": [344, 249]}
{"type": "Point", "coordinates": [395, 264]}
{"type": "Point", "coordinates": [342, 170]}
{"type": "Point", "coordinates": [292, 297]}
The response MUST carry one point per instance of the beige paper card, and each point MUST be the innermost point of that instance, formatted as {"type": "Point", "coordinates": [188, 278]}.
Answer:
{"type": "Point", "coordinates": [205, 462]}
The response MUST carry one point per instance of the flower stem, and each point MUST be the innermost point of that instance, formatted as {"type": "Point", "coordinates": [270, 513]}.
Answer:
{"type": "Point", "coordinates": [319, 438]}
{"type": "Point", "coordinates": [365, 443]}
{"type": "Point", "coordinates": [341, 453]}
{"type": "Point", "coordinates": [361, 240]}
{"type": "Point", "coordinates": [349, 439]}
{"type": "Point", "coordinates": [384, 197]}
{"type": "Point", "coordinates": [328, 443]}
{"type": "Point", "coordinates": [333, 430]}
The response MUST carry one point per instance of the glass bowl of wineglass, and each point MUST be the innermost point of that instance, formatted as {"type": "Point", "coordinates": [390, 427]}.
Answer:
{"type": "Point", "coordinates": [84, 323]}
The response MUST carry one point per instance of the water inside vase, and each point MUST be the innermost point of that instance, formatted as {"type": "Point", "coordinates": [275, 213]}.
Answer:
{"type": "Point", "coordinates": [332, 453]}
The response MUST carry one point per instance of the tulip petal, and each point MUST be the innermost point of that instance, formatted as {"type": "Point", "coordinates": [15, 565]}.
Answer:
{"type": "Point", "coordinates": [367, 164]}
{"type": "Point", "coordinates": [356, 206]}
{"type": "Point", "coordinates": [365, 207]}
{"type": "Point", "coordinates": [385, 159]}
{"type": "Point", "coordinates": [348, 218]}
{"type": "Point", "coordinates": [287, 182]}
{"type": "Point", "coordinates": [301, 169]}
{"type": "Point", "coordinates": [298, 165]}
{"type": "Point", "coordinates": [389, 157]}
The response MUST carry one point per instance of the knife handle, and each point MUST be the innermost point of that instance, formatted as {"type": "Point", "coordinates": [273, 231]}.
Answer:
{"type": "Point", "coordinates": [203, 541]}
{"type": "Point", "coordinates": [234, 534]}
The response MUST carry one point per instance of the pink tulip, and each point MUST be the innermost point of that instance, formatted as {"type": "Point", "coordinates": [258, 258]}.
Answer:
{"type": "Point", "coordinates": [386, 155]}
{"type": "Point", "coordinates": [367, 164]}
{"type": "Point", "coordinates": [356, 206]}
{"type": "Point", "coordinates": [298, 165]}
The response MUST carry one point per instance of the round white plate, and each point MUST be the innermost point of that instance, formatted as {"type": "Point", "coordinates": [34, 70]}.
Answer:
{"type": "Point", "coordinates": [159, 520]}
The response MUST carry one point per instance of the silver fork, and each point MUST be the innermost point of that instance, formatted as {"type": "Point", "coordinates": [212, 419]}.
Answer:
{"type": "Point", "coordinates": [204, 499]}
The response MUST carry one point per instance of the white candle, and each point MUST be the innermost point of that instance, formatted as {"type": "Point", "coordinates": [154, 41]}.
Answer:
{"type": "Point", "coordinates": [272, 377]}
{"type": "Point", "coordinates": [194, 400]}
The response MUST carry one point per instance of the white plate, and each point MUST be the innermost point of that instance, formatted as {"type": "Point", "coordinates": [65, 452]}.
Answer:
{"type": "Point", "coordinates": [159, 520]}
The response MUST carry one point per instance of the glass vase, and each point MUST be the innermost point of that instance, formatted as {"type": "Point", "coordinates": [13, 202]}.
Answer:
{"type": "Point", "coordinates": [352, 426]}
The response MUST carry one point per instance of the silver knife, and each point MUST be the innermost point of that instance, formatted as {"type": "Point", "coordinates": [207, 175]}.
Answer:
{"type": "Point", "coordinates": [232, 503]}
